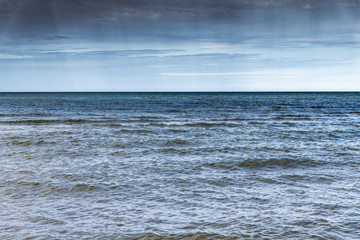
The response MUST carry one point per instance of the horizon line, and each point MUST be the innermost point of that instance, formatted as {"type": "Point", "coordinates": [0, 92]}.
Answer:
{"type": "Point", "coordinates": [258, 91]}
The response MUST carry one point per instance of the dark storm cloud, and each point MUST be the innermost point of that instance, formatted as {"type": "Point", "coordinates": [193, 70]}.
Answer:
{"type": "Point", "coordinates": [53, 15]}
{"type": "Point", "coordinates": [259, 23]}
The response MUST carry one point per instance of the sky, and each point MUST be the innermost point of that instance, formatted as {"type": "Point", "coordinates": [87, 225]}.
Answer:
{"type": "Point", "coordinates": [182, 45]}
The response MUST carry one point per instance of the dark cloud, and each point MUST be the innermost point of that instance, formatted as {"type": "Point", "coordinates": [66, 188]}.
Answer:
{"type": "Point", "coordinates": [49, 14]}
{"type": "Point", "coordinates": [230, 21]}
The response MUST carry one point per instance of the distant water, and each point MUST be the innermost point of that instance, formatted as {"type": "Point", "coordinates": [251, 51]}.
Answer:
{"type": "Point", "coordinates": [180, 166]}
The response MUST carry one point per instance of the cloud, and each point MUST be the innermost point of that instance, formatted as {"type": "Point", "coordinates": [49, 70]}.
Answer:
{"type": "Point", "coordinates": [216, 55]}
{"type": "Point", "coordinates": [54, 13]}
{"type": "Point", "coordinates": [83, 53]}
{"type": "Point", "coordinates": [117, 53]}
{"type": "Point", "coordinates": [5, 56]}
{"type": "Point", "coordinates": [197, 74]}
{"type": "Point", "coordinates": [202, 74]}
{"type": "Point", "coordinates": [57, 37]}
{"type": "Point", "coordinates": [163, 21]}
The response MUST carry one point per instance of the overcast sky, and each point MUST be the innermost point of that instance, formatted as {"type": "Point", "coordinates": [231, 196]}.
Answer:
{"type": "Point", "coordinates": [182, 45]}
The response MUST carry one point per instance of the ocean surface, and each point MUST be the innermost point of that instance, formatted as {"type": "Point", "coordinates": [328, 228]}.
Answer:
{"type": "Point", "coordinates": [180, 166]}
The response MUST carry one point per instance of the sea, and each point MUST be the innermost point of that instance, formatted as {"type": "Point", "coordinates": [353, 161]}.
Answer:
{"type": "Point", "coordinates": [180, 166]}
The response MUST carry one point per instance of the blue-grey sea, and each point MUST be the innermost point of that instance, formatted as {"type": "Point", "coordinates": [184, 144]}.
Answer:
{"type": "Point", "coordinates": [179, 166]}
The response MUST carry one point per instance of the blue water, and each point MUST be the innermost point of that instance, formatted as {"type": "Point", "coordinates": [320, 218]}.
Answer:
{"type": "Point", "coordinates": [180, 166]}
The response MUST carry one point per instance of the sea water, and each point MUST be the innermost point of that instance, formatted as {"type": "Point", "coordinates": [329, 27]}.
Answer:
{"type": "Point", "coordinates": [180, 166]}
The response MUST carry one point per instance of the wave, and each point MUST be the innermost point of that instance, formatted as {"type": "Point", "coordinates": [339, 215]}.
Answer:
{"type": "Point", "coordinates": [26, 115]}
{"type": "Point", "coordinates": [30, 143]}
{"type": "Point", "coordinates": [267, 163]}
{"type": "Point", "coordinates": [189, 236]}
{"type": "Point", "coordinates": [140, 120]}
{"type": "Point", "coordinates": [172, 150]}
{"type": "Point", "coordinates": [196, 124]}
{"type": "Point", "coordinates": [51, 188]}
{"type": "Point", "coordinates": [53, 121]}
{"type": "Point", "coordinates": [306, 178]}
{"type": "Point", "coordinates": [135, 131]}
{"type": "Point", "coordinates": [176, 142]}
{"type": "Point", "coordinates": [293, 117]}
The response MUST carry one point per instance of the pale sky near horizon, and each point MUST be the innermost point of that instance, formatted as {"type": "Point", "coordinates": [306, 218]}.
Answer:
{"type": "Point", "coordinates": [162, 45]}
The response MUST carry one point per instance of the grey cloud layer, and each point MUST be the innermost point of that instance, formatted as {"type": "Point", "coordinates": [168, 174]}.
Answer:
{"type": "Point", "coordinates": [162, 15]}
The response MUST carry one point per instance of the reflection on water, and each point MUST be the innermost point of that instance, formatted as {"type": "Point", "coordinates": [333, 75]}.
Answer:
{"type": "Point", "coordinates": [180, 166]}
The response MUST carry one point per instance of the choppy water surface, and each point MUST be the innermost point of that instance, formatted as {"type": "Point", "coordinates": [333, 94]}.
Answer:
{"type": "Point", "coordinates": [180, 166]}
